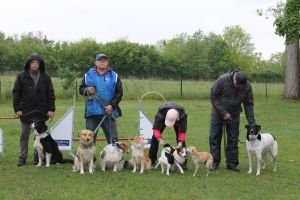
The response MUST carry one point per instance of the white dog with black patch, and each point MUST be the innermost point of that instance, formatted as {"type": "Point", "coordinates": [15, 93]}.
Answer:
{"type": "Point", "coordinates": [170, 156]}
{"type": "Point", "coordinates": [261, 145]}
{"type": "Point", "coordinates": [112, 156]}
{"type": "Point", "coordinates": [166, 159]}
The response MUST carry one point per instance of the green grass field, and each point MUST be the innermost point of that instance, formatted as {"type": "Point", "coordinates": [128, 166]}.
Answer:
{"type": "Point", "coordinates": [58, 182]}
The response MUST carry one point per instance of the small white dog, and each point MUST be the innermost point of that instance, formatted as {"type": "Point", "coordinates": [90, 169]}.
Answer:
{"type": "Point", "coordinates": [140, 155]}
{"type": "Point", "coordinates": [112, 156]}
{"type": "Point", "coordinates": [169, 156]}
{"type": "Point", "coordinates": [201, 157]}
{"type": "Point", "coordinates": [260, 144]}
{"type": "Point", "coordinates": [85, 152]}
{"type": "Point", "coordinates": [166, 158]}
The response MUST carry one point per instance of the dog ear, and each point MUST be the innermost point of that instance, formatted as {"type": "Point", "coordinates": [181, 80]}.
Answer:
{"type": "Point", "coordinates": [258, 127]}
{"type": "Point", "coordinates": [259, 137]}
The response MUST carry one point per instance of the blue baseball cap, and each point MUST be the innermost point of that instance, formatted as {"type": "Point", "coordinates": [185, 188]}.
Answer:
{"type": "Point", "coordinates": [101, 55]}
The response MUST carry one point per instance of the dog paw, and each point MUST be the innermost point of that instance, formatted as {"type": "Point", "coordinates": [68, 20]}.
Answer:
{"type": "Point", "coordinates": [47, 165]}
{"type": "Point", "coordinates": [250, 171]}
{"type": "Point", "coordinates": [257, 174]}
{"type": "Point", "coordinates": [81, 172]}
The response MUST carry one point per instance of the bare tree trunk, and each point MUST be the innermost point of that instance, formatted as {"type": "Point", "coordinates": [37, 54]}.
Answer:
{"type": "Point", "coordinates": [292, 76]}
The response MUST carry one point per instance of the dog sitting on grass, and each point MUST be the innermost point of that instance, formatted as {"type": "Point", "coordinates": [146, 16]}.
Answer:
{"type": "Point", "coordinates": [112, 156]}
{"type": "Point", "coordinates": [45, 145]}
{"type": "Point", "coordinates": [140, 155]}
{"type": "Point", "coordinates": [86, 151]}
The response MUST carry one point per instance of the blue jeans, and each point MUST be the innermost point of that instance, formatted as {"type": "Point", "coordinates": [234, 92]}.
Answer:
{"type": "Point", "coordinates": [215, 138]}
{"type": "Point", "coordinates": [108, 126]}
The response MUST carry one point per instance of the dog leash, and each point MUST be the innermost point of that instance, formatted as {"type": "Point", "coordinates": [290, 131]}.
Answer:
{"type": "Point", "coordinates": [101, 101]}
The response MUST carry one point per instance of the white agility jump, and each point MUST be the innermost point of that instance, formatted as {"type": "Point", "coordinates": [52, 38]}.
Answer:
{"type": "Point", "coordinates": [1, 142]}
{"type": "Point", "coordinates": [63, 130]}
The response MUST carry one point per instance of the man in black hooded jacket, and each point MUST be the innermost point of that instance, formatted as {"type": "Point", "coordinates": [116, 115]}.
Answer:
{"type": "Point", "coordinates": [228, 92]}
{"type": "Point", "coordinates": [33, 99]}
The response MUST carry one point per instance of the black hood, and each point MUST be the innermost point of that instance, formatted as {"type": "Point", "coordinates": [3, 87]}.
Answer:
{"type": "Point", "coordinates": [35, 56]}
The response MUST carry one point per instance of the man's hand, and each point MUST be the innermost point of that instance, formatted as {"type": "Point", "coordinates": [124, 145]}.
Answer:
{"type": "Point", "coordinates": [19, 113]}
{"type": "Point", "coordinates": [161, 142]}
{"type": "Point", "coordinates": [50, 114]}
{"type": "Point", "coordinates": [91, 90]}
{"type": "Point", "coordinates": [179, 145]}
{"type": "Point", "coordinates": [227, 116]}
{"type": "Point", "coordinates": [108, 109]}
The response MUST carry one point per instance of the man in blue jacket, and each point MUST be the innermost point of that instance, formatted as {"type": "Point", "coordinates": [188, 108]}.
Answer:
{"type": "Point", "coordinates": [103, 90]}
{"type": "Point", "coordinates": [227, 94]}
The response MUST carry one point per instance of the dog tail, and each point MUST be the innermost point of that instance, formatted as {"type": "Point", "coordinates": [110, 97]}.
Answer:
{"type": "Point", "coordinates": [102, 154]}
{"type": "Point", "coordinates": [71, 154]}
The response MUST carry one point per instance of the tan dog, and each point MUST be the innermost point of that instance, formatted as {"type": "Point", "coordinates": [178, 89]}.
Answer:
{"type": "Point", "coordinates": [201, 157]}
{"type": "Point", "coordinates": [86, 151]}
{"type": "Point", "coordinates": [140, 155]}
{"type": "Point", "coordinates": [112, 156]}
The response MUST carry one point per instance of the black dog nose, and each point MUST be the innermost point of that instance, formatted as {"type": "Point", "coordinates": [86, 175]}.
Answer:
{"type": "Point", "coordinates": [87, 140]}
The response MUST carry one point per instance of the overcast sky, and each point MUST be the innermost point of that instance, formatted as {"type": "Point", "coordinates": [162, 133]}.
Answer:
{"type": "Point", "coordinates": [142, 21]}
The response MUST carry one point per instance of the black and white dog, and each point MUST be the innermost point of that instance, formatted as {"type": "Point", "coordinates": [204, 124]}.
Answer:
{"type": "Point", "coordinates": [261, 145]}
{"type": "Point", "coordinates": [169, 156]}
{"type": "Point", "coordinates": [45, 145]}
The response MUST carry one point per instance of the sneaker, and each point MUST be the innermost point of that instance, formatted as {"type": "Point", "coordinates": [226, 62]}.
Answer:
{"type": "Point", "coordinates": [34, 162]}
{"type": "Point", "coordinates": [233, 168]}
{"type": "Point", "coordinates": [21, 162]}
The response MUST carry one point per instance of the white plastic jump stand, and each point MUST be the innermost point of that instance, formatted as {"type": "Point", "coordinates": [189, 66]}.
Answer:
{"type": "Point", "coordinates": [1, 142]}
{"type": "Point", "coordinates": [62, 131]}
{"type": "Point", "coordinates": [145, 125]}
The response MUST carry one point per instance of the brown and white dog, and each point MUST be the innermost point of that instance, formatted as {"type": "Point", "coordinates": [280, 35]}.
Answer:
{"type": "Point", "coordinates": [86, 152]}
{"type": "Point", "coordinates": [112, 156]}
{"type": "Point", "coordinates": [201, 157]}
{"type": "Point", "coordinates": [260, 144]}
{"type": "Point", "coordinates": [140, 155]}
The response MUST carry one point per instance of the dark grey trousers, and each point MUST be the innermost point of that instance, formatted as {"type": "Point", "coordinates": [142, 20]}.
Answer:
{"type": "Point", "coordinates": [24, 139]}
{"type": "Point", "coordinates": [215, 138]}
{"type": "Point", "coordinates": [108, 126]}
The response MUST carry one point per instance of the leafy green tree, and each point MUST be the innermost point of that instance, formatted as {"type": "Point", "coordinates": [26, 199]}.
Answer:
{"type": "Point", "coordinates": [218, 55]}
{"type": "Point", "coordinates": [287, 23]}
{"type": "Point", "coordinates": [240, 47]}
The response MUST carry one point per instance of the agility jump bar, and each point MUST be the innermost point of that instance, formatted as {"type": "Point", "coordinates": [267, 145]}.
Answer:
{"type": "Point", "coordinates": [102, 139]}
{"type": "Point", "coordinates": [14, 117]}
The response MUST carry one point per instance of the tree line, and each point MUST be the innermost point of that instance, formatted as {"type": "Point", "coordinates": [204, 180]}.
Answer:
{"type": "Point", "coordinates": [196, 56]}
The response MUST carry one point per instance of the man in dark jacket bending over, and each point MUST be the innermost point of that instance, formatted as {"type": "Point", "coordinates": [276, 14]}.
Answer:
{"type": "Point", "coordinates": [171, 115]}
{"type": "Point", "coordinates": [228, 92]}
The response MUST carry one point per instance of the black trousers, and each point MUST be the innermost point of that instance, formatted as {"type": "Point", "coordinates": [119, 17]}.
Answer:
{"type": "Point", "coordinates": [155, 145]}
{"type": "Point", "coordinates": [215, 138]}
